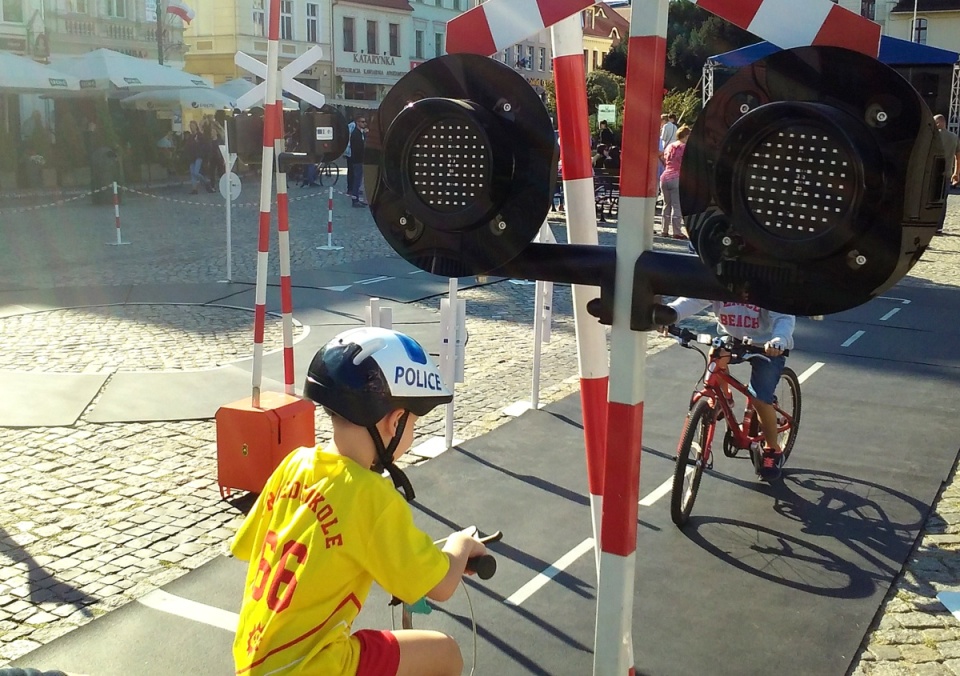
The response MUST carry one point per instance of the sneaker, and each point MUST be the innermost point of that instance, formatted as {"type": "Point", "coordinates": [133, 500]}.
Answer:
{"type": "Point", "coordinates": [771, 463]}
{"type": "Point", "coordinates": [357, 204]}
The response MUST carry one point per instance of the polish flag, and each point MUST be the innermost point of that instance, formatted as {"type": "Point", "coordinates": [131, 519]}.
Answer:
{"type": "Point", "coordinates": [181, 10]}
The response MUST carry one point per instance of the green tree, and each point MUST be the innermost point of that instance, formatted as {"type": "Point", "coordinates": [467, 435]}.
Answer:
{"type": "Point", "coordinates": [615, 61]}
{"type": "Point", "coordinates": [603, 87]}
{"type": "Point", "coordinates": [694, 35]}
{"type": "Point", "coordinates": [686, 105]}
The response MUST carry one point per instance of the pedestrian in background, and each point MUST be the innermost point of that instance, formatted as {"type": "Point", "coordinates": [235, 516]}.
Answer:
{"type": "Point", "coordinates": [347, 154]}
{"type": "Point", "coordinates": [672, 219]}
{"type": "Point", "coordinates": [358, 140]}
{"type": "Point", "coordinates": [195, 149]}
{"type": "Point", "coordinates": [951, 148]}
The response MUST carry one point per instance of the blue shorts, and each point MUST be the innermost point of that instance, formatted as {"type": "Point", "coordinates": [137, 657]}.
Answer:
{"type": "Point", "coordinates": [765, 376]}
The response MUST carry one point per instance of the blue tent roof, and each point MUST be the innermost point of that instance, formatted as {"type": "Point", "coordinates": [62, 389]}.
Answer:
{"type": "Point", "coordinates": [893, 52]}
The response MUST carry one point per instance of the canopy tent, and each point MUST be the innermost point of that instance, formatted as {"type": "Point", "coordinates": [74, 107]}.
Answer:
{"type": "Point", "coordinates": [194, 98]}
{"type": "Point", "coordinates": [20, 75]}
{"type": "Point", "coordinates": [118, 74]}
{"type": "Point", "coordinates": [901, 55]}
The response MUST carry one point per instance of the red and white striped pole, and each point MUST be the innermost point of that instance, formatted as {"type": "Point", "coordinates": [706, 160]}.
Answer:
{"type": "Point", "coordinates": [271, 111]}
{"type": "Point", "coordinates": [613, 650]}
{"type": "Point", "coordinates": [283, 240]}
{"type": "Point", "coordinates": [573, 124]}
{"type": "Point", "coordinates": [116, 215]}
{"type": "Point", "coordinates": [329, 245]}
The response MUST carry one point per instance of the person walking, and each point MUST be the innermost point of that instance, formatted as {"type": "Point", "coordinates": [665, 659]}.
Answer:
{"type": "Point", "coordinates": [195, 149]}
{"type": "Point", "coordinates": [951, 148]}
{"type": "Point", "coordinates": [358, 140]}
{"type": "Point", "coordinates": [671, 218]}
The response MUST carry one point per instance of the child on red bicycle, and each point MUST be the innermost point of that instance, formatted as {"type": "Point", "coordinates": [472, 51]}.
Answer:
{"type": "Point", "coordinates": [328, 524]}
{"type": "Point", "coordinates": [774, 331]}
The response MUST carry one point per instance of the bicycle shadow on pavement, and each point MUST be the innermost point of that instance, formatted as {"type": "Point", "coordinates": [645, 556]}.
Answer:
{"type": "Point", "coordinates": [42, 584]}
{"type": "Point", "coordinates": [857, 534]}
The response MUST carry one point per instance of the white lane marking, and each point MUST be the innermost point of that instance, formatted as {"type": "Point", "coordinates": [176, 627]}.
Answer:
{"type": "Point", "coordinates": [191, 610]}
{"type": "Point", "coordinates": [852, 339]}
{"type": "Point", "coordinates": [373, 280]}
{"type": "Point", "coordinates": [336, 288]}
{"type": "Point", "coordinates": [660, 491]}
{"type": "Point", "coordinates": [810, 371]}
{"type": "Point", "coordinates": [538, 582]}
{"type": "Point", "coordinates": [950, 601]}
{"type": "Point", "coordinates": [890, 314]}
{"type": "Point", "coordinates": [534, 585]}
{"type": "Point", "coordinates": [903, 301]}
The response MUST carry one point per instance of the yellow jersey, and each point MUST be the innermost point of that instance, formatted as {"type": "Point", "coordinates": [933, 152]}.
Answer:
{"type": "Point", "coordinates": [322, 531]}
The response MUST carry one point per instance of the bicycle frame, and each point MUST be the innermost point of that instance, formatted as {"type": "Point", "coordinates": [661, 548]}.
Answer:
{"type": "Point", "coordinates": [713, 387]}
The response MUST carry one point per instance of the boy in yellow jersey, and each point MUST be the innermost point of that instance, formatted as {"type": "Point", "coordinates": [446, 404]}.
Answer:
{"type": "Point", "coordinates": [328, 524]}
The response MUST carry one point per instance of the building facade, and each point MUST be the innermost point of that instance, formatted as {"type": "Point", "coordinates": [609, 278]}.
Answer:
{"type": "Point", "coordinates": [368, 45]}
{"type": "Point", "coordinates": [42, 28]}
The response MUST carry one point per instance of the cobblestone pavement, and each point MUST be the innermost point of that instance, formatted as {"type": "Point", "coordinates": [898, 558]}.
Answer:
{"type": "Point", "coordinates": [97, 515]}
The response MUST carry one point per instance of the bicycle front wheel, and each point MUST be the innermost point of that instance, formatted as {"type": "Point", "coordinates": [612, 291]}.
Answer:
{"type": "Point", "coordinates": [691, 460]}
{"type": "Point", "coordinates": [788, 410]}
{"type": "Point", "coordinates": [329, 174]}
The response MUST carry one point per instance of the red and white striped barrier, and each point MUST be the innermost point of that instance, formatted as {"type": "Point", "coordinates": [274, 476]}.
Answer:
{"type": "Point", "coordinates": [613, 652]}
{"type": "Point", "coordinates": [270, 125]}
{"type": "Point", "coordinates": [329, 245]}
{"type": "Point", "coordinates": [497, 24]}
{"type": "Point", "coordinates": [283, 241]}
{"type": "Point", "coordinates": [783, 23]}
{"type": "Point", "coordinates": [116, 216]}
{"type": "Point", "coordinates": [572, 123]}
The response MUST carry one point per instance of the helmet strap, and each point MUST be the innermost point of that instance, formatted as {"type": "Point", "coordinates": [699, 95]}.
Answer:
{"type": "Point", "coordinates": [385, 457]}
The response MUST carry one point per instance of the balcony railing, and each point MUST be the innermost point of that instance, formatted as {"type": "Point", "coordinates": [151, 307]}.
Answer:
{"type": "Point", "coordinates": [107, 31]}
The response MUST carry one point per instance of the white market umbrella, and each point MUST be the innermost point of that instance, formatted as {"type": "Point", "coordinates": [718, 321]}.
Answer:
{"type": "Point", "coordinates": [19, 75]}
{"type": "Point", "coordinates": [238, 87]}
{"type": "Point", "coordinates": [195, 98]}
{"type": "Point", "coordinates": [106, 70]}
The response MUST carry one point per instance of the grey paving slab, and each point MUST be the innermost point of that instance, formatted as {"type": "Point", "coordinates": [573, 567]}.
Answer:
{"type": "Point", "coordinates": [177, 395]}
{"type": "Point", "coordinates": [46, 399]}
{"type": "Point", "coordinates": [46, 299]}
{"type": "Point", "coordinates": [417, 286]}
{"type": "Point", "coordinates": [184, 293]}
{"type": "Point", "coordinates": [393, 266]}
{"type": "Point", "coordinates": [316, 279]}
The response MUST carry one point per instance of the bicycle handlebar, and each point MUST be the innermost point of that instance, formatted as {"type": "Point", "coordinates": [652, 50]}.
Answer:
{"type": "Point", "coordinates": [737, 346]}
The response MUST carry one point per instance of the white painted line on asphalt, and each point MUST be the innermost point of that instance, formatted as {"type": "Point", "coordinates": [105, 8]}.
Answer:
{"type": "Point", "coordinates": [534, 585]}
{"type": "Point", "coordinates": [374, 280]}
{"type": "Point", "coordinates": [336, 288]}
{"type": "Point", "coordinates": [191, 610]}
{"type": "Point", "coordinates": [852, 339]}
{"type": "Point", "coordinates": [950, 601]}
{"type": "Point", "coordinates": [518, 408]}
{"type": "Point", "coordinates": [809, 372]}
{"type": "Point", "coordinates": [890, 314]}
{"type": "Point", "coordinates": [660, 491]}
{"type": "Point", "coordinates": [904, 301]}
{"type": "Point", "coordinates": [432, 447]}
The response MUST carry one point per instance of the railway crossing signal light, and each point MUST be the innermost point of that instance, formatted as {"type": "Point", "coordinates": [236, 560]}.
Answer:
{"type": "Point", "coordinates": [460, 165]}
{"type": "Point", "coordinates": [813, 180]}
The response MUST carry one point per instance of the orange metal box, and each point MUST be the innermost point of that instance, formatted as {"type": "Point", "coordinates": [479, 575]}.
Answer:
{"type": "Point", "coordinates": [251, 442]}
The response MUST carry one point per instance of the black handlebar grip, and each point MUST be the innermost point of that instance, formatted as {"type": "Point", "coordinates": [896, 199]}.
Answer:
{"type": "Point", "coordinates": [484, 566]}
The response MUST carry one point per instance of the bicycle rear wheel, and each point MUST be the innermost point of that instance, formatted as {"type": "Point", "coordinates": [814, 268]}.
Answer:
{"type": "Point", "coordinates": [329, 174]}
{"type": "Point", "coordinates": [788, 400]}
{"type": "Point", "coordinates": [691, 451]}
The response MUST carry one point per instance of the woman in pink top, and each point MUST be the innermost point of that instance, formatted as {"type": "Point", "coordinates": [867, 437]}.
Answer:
{"type": "Point", "coordinates": [672, 219]}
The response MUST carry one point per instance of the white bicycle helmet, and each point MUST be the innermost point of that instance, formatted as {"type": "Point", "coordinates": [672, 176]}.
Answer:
{"type": "Point", "coordinates": [364, 373]}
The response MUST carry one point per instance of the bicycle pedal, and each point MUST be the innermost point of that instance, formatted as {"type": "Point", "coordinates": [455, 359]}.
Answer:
{"type": "Point", "coordinates": [421, 607]}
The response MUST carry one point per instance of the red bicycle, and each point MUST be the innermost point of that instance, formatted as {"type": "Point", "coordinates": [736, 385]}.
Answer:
{"type": "Point", "coordinates": [709, 403]}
